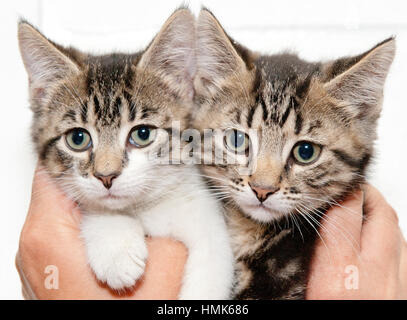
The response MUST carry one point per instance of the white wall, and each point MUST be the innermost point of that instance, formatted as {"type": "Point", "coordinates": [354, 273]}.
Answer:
{"type": "Point", "coordinates": [316, 29]}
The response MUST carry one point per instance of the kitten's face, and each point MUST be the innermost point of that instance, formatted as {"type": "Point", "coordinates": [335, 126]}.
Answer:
{"type": "Point", "coordinates": [100, 120]}
{"type": "Point", "coordinates": [314, 123]}
{"type": "Point", "coordinates": [99, 133]}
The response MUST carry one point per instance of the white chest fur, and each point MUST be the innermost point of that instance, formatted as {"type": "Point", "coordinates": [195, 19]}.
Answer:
{"type": "Point", "coordinates": [117, 251]}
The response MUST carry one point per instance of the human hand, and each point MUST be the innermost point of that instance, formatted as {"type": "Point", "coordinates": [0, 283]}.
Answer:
{"type": "Point", "coordinates": [51, 237]}
{"type": "Point", "coordinates": [360, 257]}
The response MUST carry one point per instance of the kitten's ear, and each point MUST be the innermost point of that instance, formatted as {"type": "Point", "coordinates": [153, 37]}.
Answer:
{"type": "Point", "coordinates": [219, 58]}
{"type": "Point", "coordinates": [44, 61]}
{"type": "Point", "coordinates": [172, 52]}
{"type": "Point", "coordinates": [359, 81]}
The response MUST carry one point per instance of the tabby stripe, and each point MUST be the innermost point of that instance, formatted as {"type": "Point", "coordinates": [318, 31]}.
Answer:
{"type": "Point", "coordinates": [303, 88]}
{"type": "Point", "coordinates": [84, 112]}
{"type": "Point", "coordinates": [364, 162]}
{"type": "Point", "coordinates": [147, 112]}
{"type": "Point", "coordinates": [348, 160]}
{"type": "Point", "coordinates": [298, 123]}
{"type": "Point", "coordinates": [250, 115]}
{"type": "Point", "coordinates": [125, 159]}
{"type": "Point", "coordinates": [295, 103]}
{"type": "Point", "coordinates": [321, 175]}
{"type": "Point", "coordinates": [310, 184]}
{"type": "Point", "coordinates": [294, 190]}
{"type": "Point", "coordinates": [264, 107]}
{"type": "Point", "coordinates": [285, 115]}
{"type": "Point", "coordinates": [131, 105]}
{"type": "Point", "coordinates": [47, 147]}
{"type": "Point", "coordinates": [238, 113]}
{"type": "Point", "coordinates": [314, 125]}
{"type": "Point", "coordinates": [96, 104]}
{"type": "Point", "coordinates": [117, 106]}
{"type": "Point", "coordinates": [64, 159]}
{"type": "Point", "coordinates": [71, 114]}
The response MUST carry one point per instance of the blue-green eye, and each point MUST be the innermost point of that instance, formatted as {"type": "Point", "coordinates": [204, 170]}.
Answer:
{"type": "Point", "coordinates": [142, 136]}
{"type": "Point", "coordinates": [78, 139]}
{"type": "Point", "coordinates": [306, 152]}
{"type": "Point", "coordinates": [237, 141]}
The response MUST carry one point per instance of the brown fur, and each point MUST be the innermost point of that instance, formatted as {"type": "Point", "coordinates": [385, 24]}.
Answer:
{"type": "Point", "coordinates": [334, 105]}
{"type": "Point", "coordinates": [104, 94]}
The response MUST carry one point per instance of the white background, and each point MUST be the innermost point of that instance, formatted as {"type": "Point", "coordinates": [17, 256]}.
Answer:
{"type": "Point", "coordinates": [316, 29]}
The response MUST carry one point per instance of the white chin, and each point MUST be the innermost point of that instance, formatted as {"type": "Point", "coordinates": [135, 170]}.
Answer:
{"type": "Point", "coordinates": [115, 203]}
{"type": "Point", "coordinates": [262, 214]}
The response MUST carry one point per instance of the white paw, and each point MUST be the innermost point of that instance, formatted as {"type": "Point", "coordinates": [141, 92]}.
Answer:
{"type": "Point", "coordinates": [118, 265]}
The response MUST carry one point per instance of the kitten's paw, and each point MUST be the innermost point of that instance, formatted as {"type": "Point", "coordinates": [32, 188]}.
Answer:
{"type": "Point", "coordinates": [121, 266]}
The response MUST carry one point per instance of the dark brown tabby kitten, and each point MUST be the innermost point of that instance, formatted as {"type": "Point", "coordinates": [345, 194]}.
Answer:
{"type": "Point", "coordinates": [316, 124]}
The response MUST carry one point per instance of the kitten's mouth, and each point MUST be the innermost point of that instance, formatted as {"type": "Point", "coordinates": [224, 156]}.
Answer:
{"type": "Point", "coordinates": [111, 196]}
{"type": "Point", "coordinates": [259, 205]}
{"type": "Point", "coordinates": [264, 207]}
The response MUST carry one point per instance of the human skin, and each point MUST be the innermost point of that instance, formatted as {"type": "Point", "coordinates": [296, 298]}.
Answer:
{"type": "Point", "coordinates": [51, 237]}
{"type": "Point", "coordinates": [363, 256]}
{"type": "Point", "coordinates": [373, 245]}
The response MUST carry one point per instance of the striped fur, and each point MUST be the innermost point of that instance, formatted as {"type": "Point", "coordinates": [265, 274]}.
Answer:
{"type": "Point", "coordinates": [333, 104]}
{"type": "Point", "coordinates": [107, 95]}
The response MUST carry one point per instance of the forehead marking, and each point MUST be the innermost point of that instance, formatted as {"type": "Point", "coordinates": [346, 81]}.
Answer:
{"type": "Point", "coordinates": [260, 101]}
{"type": "Point", "coordinates": [252, 110]}
{"type": "Point", "coordinates": [298, 123]}
{"type": "Point", "coordinates": [84, 112]}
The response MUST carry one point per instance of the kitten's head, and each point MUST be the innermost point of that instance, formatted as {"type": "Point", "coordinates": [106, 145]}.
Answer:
{"type": "Point", "coordinates": [98, 118]}
{"type": "Point", "coordinates": [315, 122]}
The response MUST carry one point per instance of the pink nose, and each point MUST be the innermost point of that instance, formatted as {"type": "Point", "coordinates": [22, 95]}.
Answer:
{"type": "Point", "coordinates": [263, 192]}
{"type": "Point", "coordinates": [106, 180]}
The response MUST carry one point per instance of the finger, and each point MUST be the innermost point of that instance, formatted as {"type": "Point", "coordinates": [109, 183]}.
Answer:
{"type": "Point", "coordinates": [341, 233]}
{"type": "Point", "coordinates": [403, 271]}
{"type": "Point", "coordinates": [162, 278]}
{"type": "Point", "coordinates": [27, 292]}
{"type": "Point", "coordinates": [164, 270]}
{"type": "Point", "coordinates": [50, 231]}
{"type": "Point", "coordinates": [373, 200]}
{"type": "Point", "coordinates": [381, 237]}
{"type": "Point", "coordinates": [49, 202]}
{"type": "Point", "coordinates": [50, 239]}
{"type": "Point", "coordinates": [342, 226]}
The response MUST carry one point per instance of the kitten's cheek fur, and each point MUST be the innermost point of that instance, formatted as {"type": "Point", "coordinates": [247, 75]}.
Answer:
{"type": "Point", "coordinates": [116, 248]}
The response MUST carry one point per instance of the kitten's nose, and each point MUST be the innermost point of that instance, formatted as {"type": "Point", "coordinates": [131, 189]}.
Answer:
{"type": "Point", "coordinates": [107, 180]}
{"type": "Point", "coordinates": [263, 192]}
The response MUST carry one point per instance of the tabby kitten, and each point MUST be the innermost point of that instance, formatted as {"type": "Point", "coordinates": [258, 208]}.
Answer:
{"type": "Point", "coordinates": [315, 127]}
{"type": "Point", "coordinates": [97, 122]}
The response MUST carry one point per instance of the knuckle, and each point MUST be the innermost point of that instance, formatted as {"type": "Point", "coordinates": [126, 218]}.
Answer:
{"type": "Point", "coordinates": [30, 241]}
{"type": "Point", "coordinates": [390, 215]}
{"type": "Point", "coordinates": [393, 215]}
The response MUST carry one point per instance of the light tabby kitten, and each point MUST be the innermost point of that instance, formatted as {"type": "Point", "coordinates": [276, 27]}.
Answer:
{"type": "Point", "coordinates": [96, 120]}
{"type": "Point", "coordinates": [316, 124]}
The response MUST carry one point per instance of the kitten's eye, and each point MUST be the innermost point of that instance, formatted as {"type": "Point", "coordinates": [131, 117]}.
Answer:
{"type": "Point", "coordinates": [142, 136]}
{"type": "Point", "coordinates": [237, 141]}
{"type": "Point", "coordinates": [306, 152]}
{"type": "Point", "coordinates": [78, 140]}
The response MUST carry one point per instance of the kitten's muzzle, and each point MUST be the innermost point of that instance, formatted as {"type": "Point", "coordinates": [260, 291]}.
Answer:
{"type": "Point", "coordinates": [107, 180]}
{"type": "Point", "coordinates": [263, 192]}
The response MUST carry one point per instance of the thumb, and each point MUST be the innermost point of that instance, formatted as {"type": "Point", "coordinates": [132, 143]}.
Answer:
{"type": "Point", "coordinates": [342, 226]}
{"type": "Point", "coordinates": [49, 203]}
